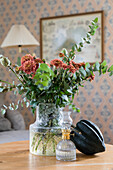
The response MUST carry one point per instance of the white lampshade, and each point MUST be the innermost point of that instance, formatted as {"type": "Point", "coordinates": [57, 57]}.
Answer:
{"type": "Point", "coordinates": [17, 36]}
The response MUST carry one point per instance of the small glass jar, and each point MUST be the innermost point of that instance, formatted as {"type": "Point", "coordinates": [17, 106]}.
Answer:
{"type": "Point", "coordinates": [66, 150]}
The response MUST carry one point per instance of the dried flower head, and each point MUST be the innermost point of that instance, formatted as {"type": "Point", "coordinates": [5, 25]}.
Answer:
{"type": "Point", "coordinates": [4, 61]}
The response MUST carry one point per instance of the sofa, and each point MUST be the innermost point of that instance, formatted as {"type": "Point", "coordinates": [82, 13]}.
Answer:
{"type": "Point", "coordinates": [12, 127]}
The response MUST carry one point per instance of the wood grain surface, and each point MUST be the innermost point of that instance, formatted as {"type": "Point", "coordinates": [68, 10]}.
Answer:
{"type": "Point", "coordinates": [16, 156]}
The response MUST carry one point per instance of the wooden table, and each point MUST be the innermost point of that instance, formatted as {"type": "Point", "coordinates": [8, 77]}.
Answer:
{"type": "Point", "coordinates": [16, 156]}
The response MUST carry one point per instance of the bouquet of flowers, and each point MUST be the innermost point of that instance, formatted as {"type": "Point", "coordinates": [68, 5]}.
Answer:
{"type": "Point", "coordinates": [57, 82]}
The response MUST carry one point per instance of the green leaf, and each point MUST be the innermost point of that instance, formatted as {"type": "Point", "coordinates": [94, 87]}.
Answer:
{"type": "Point", "coordinates": [27, 104]}
{"type": "Point", "coordinates": [65, 52]}
{"type": "Point", "coordinates": [88, 72]}
{"type": "Point", "coordinates": [66, 86]}
{"type": "Point", "coordinates": [88, 42]}
{"type": "Point", "coordinates": [4, 106]}
{"type": "Point", "coordinates": [96, 66]}
{"type": "Point", "coordinates": [81, 44]}
{"type": "Point", "coordinates": [111, 73]}
{"type": "Point", "coordinates": [95, 20]}
{"type": "Point", "coordinates": [88, 36]}
{"type": "Point", "coordinates": [110, 69]}
{"type": "Point", "coordinates": [73, 97]}
{"type": "Point", "coordinates": [69, 90]}
{"type": "Point", "coordinates": [104, 63]}
{"type": "Point", "coordinates": [1, 89]}
{"type": "Point", "coordinates": [78, 110]}
{"type": "Point", "coordinates": [79, 49]}
{"type": "Point", "coordinates": [104, 69]}
{"type": "Point", "coordinates": [82, 71]}
{"type": "Point", "coordinates": [21, 104]}
{"type": "Point", "coordinates": [75, 75]}
{"type": "Point", "coordinates": [45, 83]}
{"type": "Point", "coordinates": [65, 97]}
{"type": "Point", "coordinates": [15, 107]}
{"type": "Point", "coordinates": [73, 48]}
{"type": "Point", "coordinates": [44, 67]}
{"type": "Point", "coordinates": [87, 65]}
{"type": "Point", "coordinates": [3, 111]}
{"type": "Point", "coordinates": [37, 75]}
{"type": "Point", "coordinates": [11, 108]}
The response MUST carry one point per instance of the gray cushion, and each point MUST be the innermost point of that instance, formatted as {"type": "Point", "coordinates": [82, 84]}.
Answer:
{"type": "Point", "coordinates": [16, 119]}
{"type": "Point", "coordinates": [4, 124]}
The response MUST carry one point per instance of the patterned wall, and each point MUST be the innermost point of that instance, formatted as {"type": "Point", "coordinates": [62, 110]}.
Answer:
{"type": "Point", "coordinates": [96, 98]}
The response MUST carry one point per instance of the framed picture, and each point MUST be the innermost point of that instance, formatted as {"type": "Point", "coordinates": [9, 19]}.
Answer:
{"type": "Point", "coordinates": [64, 31]}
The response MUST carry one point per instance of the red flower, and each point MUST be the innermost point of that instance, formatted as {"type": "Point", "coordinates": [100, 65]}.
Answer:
{"type": "Point", "coordinates": [65, 66]}
{"type": "Point", "coordinates": [27, 57]}
{"type": "Point", "coordinates": [37, 61]}
{"type": "Point", "coordinates": [81, 64]}
{"type": "Point", "coordinates": [29, 67]}
{"type": "Point", "coordinates": [72, 62]}
{"type": "Point", "coordinates": [61, 55]}
{"type": "Point", "coordinates": [56, 62]}
{"type": "Point", "coordinates": [77, 65]}
{"type": "Point", "coordinates": [72, 68]}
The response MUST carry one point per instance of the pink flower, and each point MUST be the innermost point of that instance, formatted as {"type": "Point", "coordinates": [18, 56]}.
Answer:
{"type": "Point", "coordinates": [56, 62]}
{"type": "Point", "coordinates": [29, 67]}
{"type": "Point", "coordinates": [27, 57]}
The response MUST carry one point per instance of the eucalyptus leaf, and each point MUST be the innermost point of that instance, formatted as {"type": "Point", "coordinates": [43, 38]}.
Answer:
{"type": "Point", "coordinates": [110, 69]}
{"type": "Point", "coordinates": [82, 71]}
{"type": "Point", "coordinates": [104, 63]}
{"type": "Point", "coordinates": [96, 66]}
{"type": "Point", "coordinates": [3, 111]}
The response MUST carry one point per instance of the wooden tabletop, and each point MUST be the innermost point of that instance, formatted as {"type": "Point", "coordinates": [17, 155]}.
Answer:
{"type": "Point", "coordinates": [16, 156]}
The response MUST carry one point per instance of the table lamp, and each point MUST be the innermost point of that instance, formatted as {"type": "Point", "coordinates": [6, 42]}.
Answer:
{"type": "Point", "coordinates": [19, 36]}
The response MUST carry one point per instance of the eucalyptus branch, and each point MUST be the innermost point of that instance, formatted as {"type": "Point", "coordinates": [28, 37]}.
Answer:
{"type": "Point", "coordinates": [87, 39]}
{"type": "Point", "coordinates": [6, 82]}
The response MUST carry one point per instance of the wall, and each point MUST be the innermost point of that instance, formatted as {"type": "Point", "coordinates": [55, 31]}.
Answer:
{"type": "Point", "coordinates": [96, 99]}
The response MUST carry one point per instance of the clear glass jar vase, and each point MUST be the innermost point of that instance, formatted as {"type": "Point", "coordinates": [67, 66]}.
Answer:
{"type": "Point", "coordinates": [45, 133]}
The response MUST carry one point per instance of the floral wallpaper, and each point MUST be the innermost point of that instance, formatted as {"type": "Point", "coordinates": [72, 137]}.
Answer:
{"type": "Point", "coordinates": [95, 99]}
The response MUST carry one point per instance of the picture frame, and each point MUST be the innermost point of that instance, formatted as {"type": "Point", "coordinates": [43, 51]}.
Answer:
{"type": "Point", "coordinates": [64, 31]}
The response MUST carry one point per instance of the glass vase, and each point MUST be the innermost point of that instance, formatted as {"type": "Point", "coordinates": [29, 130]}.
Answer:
{"type": "Point", "coordinates": [45, 133]}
